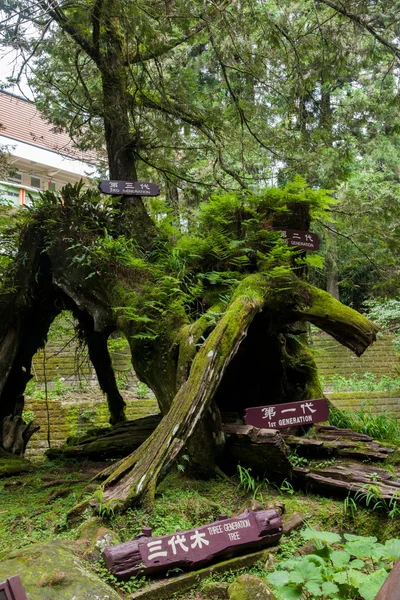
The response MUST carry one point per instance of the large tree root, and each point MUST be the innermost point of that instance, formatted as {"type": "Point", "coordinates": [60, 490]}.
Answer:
{"type": "Point", "coordinates": [136, 477]}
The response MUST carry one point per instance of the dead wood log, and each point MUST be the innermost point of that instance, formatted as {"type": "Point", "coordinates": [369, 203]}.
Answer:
{"type": "Point", "coordinates": [117, 442]}
{"type": "Point", "coordinates": [137, 476]}
{"type": "Point", "coordinates": [333, 442]}
{"type": "Point", "coordinates": [391, 587]}
{"type": "Point", "coordinates": [350, 479]}
{"type": "Point", "coordinates": [192, 549]}
{"type": "Point", "coordinates": [15, 434]}
{"type": "Point", "coordinates": [264, 450]}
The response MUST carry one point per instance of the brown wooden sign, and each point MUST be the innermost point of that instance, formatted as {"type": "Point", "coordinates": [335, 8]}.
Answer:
{"type": "Point", "coordinates": [300, 239]}
{"type": "Point", "coordinates": [291, 414]}
{"type": "Point", "coordinates": [196, 547]}
{"type": "Point", "coordinates": [12, 589]}
{"type": "Point", "coordinates": [129, 188]}
{"type": "Point", "coordinates": [391, 587]}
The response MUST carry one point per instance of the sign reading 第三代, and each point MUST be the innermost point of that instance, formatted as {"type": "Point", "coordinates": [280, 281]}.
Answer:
{"type": "Point", "coordinates": [129, 188]}
{"type": "Point", "coordinates": [300, 239]}
{"type": "Point", "coordinates": [291, 414]}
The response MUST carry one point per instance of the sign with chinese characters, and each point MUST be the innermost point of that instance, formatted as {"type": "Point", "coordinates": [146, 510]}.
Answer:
{"type": "Point", "coordinates": [12, 589]}
{"type": "Point", "coordinates": [194, 548]}
{"type": "Point", "coordinates": [129, 188]}
{"type": "Point", "coordinates": [301, 239]}
{"type": "Point", "coordinates": [291, 414]}
{"type": "Point", "coordinates": [201, 542]}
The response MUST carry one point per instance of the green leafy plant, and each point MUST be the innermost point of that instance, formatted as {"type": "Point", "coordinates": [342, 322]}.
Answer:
{"type": "Point", "coordinates": [103, 509]}
{"type": "Point", "coordinates": [142, 390]}
{"type": "Point", "coordinates": [353, 568]}
{"type": "Point", "coordinates": [286, 487]}
{"type": "Point", "coordinates": [367, 382]}
{"type": "Point", "coordinates": [383, 426]}
{"type": "Point", "coordinates": [296, 460]}
{"type": "Point", "coordinates": [247, 482]}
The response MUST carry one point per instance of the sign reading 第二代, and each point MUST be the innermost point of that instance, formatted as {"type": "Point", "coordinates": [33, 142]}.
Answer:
{"type": "Point", "coordinates": [129, 188]}
{"type": "Point", "coordinates": [291, 414]}
{"type": "Point", "coordinates": [300, 239]}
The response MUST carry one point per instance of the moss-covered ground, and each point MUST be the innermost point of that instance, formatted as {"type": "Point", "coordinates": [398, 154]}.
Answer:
{"type": "Point", "coordinates": [33, 508]}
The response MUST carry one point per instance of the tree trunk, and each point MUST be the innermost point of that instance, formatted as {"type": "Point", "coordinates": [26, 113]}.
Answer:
{"type": "Point", "coordinates": [135, 478]}
{"type": "Point", "coordinates": [15, 434]}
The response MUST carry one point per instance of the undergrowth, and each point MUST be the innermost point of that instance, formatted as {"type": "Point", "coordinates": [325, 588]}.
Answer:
{"type": "Point", "coordinates": [382, 426]}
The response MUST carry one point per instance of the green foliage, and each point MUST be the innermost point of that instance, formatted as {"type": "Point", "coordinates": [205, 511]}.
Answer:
{"type": "Point", "coordinates": [142, 390]}
{"type": "Point", "coordinates": [367, 382]}
{"type": "Point", "coordinates": [355, 567]}
{"type": "Point", "coordinates": [179, 278]}
{"type": "Point", "coordinates": [382, 426]}
{"type": "Point", "coordinates": [28, 416]}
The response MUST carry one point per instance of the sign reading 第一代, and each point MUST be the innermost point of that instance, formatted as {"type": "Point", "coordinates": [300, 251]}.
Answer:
{"type": "Point", "coordinates": [291, 414]}
{"type": "Point", "coordinates": [200, 543]}
{"type": "Point", "coordinates": [300, 239]}
{"type": "Point", "coordinates": [129, 188]}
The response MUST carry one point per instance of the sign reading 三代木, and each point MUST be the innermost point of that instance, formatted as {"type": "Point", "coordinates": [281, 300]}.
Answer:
{"type": "Point", "coordinates": [291, 414]}
{"type": "Point", "coordinates": [300, 239]}
{"type": "Point", "coordinates": [201, 543]}
{"type": "Point", "coordinates": [129, 188]}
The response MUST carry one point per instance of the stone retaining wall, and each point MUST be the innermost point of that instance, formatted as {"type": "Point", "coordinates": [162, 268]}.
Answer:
{"type": "Point", "coordinates": [68, 418]}
{"type": "Point", "coordinates": [376, 402]}
{"type": "Point", "coordinates": [334, 359]}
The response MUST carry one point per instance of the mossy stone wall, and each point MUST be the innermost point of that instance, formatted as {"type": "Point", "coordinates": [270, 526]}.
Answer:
{"type": "Point", "coordinates": [75, 418]}
{"type": "Point", "coordinates": [65, 359]}
{"type": "Point", "coordinates": [334, 359]}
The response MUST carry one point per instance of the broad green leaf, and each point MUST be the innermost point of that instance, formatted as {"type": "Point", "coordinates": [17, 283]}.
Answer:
{"type": "Point", "coordinates": [313, 588]}
{"type": "Point", "coordinates": [372, 584]}
{"type": "Point", "coordinates": [392, 549]}
{"type": "Point", "coordinates": [350, 537]}
{"type": "Point", "coordinates": [278, 578]}
{"type": "Point", "coordinates": [357, 563]}
{"type": "Point", "coordinates": [308, 570]}
{"type": "Point", "coordinates": [323, 536]}
{"type": "Point", "coordinates": [329, 588]}
{"type": "Point", "coordinates": [351, 577]}
{"type": "Point", "coordinates": [296, 577]}
{"type": "Point", "coordinates": [365, 549]}
{"type": "Point", "coordinates": [340, 558]}
{"type": "Point", "coordinates": [290, 593]}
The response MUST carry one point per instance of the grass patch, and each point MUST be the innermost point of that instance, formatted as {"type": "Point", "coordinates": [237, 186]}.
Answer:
{"type": "Point", "coordinates": [383, 426]}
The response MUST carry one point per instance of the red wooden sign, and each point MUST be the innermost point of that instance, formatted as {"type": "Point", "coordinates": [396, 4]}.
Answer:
{"type": "Point", "coordinates": [129, 188]}
{"type": "Point", "coordinates": [194, 548]}
{"type": "Point", "coordinates": [301, 239]}
{"type": "Point", "coordinates": [12, 589]}
{"type": "Point", "coordinates": [291, 414]}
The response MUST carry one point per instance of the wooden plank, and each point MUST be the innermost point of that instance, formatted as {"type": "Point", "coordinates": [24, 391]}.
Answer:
{"type": "Point", "coordinates": [391, 588]}
{"type": "Point", "coordinates": [194, 548]}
